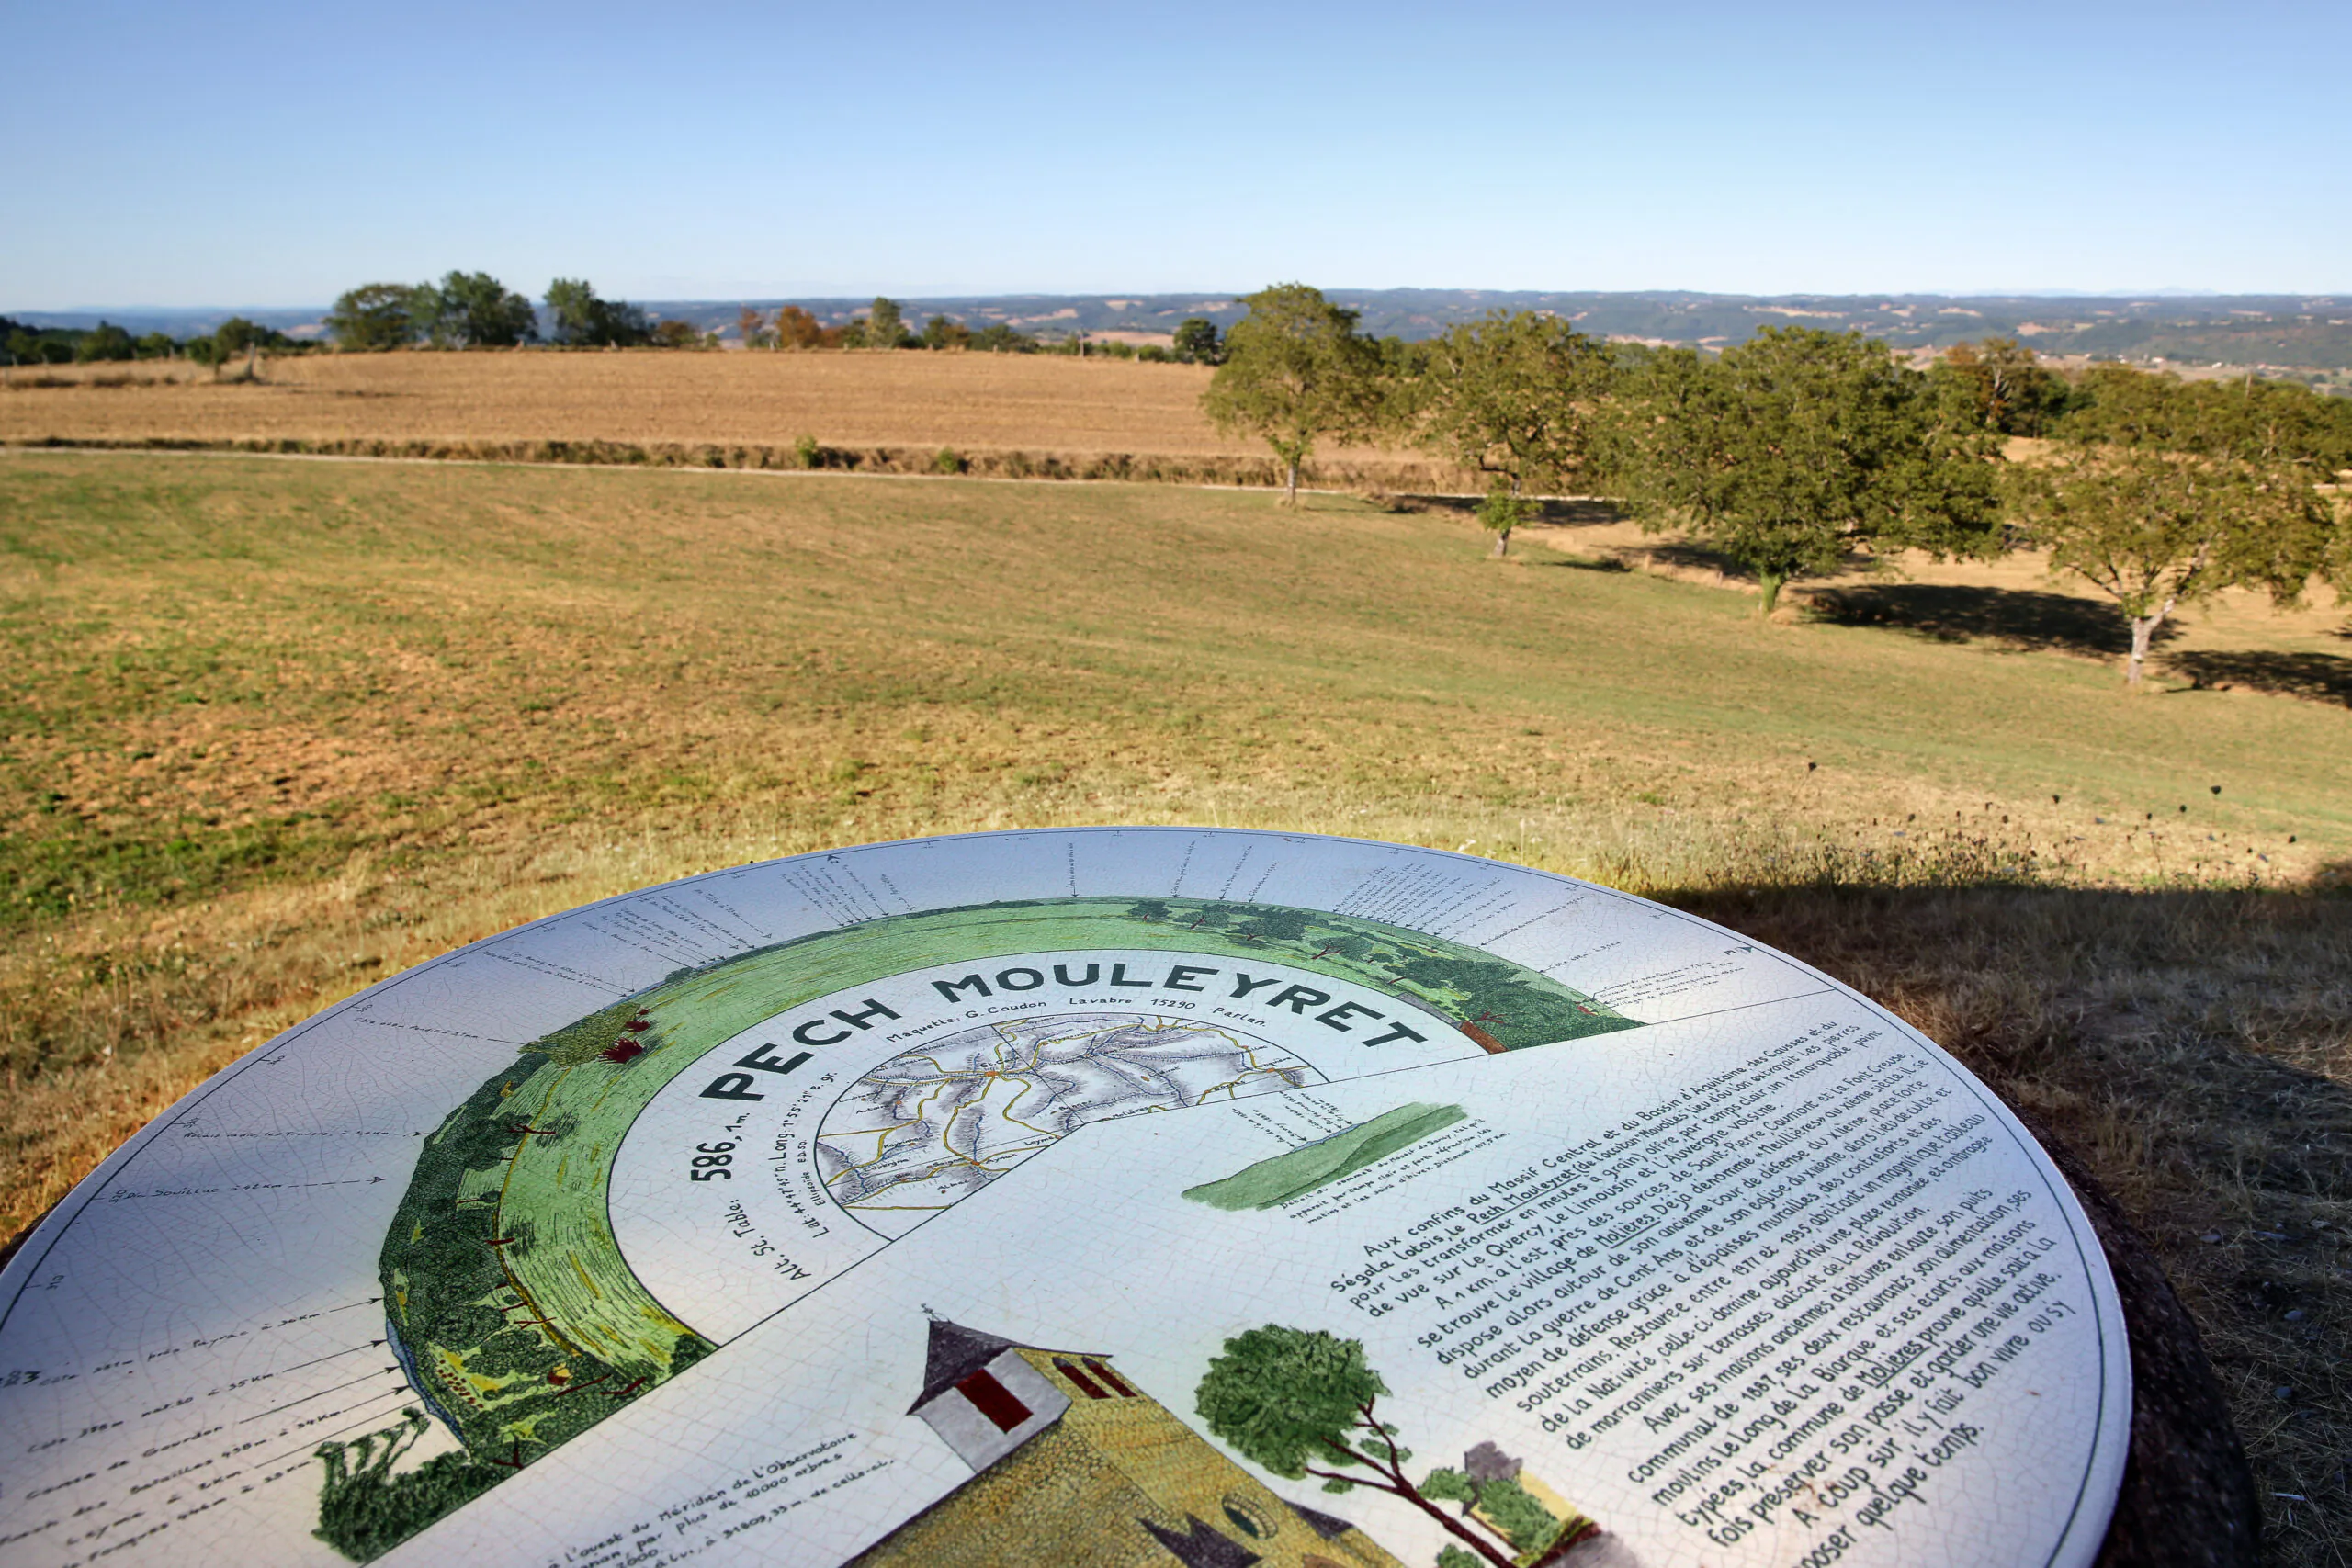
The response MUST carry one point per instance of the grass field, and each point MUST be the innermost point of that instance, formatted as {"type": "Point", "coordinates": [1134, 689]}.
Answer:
{"type": "Point", "coordinates": [274, 728]}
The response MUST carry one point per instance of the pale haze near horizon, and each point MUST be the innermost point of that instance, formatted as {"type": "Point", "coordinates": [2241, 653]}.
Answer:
{"type": "Point", "coordinates": [264, 153]}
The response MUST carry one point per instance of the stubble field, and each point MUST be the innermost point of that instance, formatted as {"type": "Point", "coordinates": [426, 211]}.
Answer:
{"type": "Point", "coordinates": [274, 728]}
{"type": "Point", "coordinates": [970, 401]}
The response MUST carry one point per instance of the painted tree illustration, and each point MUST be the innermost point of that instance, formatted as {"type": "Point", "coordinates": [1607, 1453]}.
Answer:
{"type": "Point", "coordinates": [364, 1509]}
{"type": "Point", "coordinates": [1274, 925]}
{"type": "Point", "coordinates": [1304, 1403]}
{"type": "Point", "coordinates": [1489, 1483]}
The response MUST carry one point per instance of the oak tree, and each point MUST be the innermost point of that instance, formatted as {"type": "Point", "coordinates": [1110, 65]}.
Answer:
{"type": "Point", "coordinates": [104, 343]}
{"type": "Point", "coordinates": [946, 332]}
{"type": "Point", "coordinates": [1305, 1403]}
{"type": "Point", "coordinates": [1795, 450]}
{"type": "Point", "coordinates": [2006, 382]}
{"type": "Point", "coordinates": [374, 316]}
{"type": "Point", "coordinates": [2250, 418]}
{"type": "Point", "coordinates": [585, 320]}
{"type": "Point", "coordinates": [885, 324]}
{"type": "Point", "coordinates": [1294, 373]}
{"type": "Point", "coordinates": [1516, 395]}
{"type": "Point", "coordinates": [795, 328]}
{"type": "Point", "coordinates": [1196, 341]}
{"type": "Point", "coordinates": [476, 310]}
{"type": "Point", "coordinates": [999, 338]}
{"type": "Point", "coordinates": [2154, 529]}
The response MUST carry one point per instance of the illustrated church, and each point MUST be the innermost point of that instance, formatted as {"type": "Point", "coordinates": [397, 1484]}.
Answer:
{"type": "Point", "coordinates": [1073, 1465]}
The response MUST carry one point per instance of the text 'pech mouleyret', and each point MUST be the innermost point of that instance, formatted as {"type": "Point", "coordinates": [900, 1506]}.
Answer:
{"type": "Point", "coordinates": [1073, 1465]}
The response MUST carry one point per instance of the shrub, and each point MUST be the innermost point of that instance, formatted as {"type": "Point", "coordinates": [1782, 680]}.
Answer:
{"type": "Point", "coordinates": [795, 328]}
{"type": "Point", "coordinates": [104, 341]}
{"type": "Point", "coordinates": [374, 316]}
{"type": "Point", "coordinates": [998, 338]}
{"type": "Point", "coordinates": [1197, 343]}
{"type": "Point", "coordinates": [476, 310]}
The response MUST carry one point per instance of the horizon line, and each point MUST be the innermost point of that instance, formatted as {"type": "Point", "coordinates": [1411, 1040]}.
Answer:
{"type": "Point", "coordinates": [838, 295]}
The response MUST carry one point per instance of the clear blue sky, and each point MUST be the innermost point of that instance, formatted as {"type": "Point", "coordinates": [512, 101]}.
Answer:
{"type": "Point", "coordinates": [268, 153]}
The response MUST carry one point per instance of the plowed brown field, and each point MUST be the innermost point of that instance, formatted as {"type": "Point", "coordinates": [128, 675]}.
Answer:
{"type": "Point", "coordinates": [969, 401]}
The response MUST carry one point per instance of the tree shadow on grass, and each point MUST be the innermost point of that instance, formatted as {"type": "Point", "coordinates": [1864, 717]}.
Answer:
{"type": "Point", "coordinates": [2030, 618]}
{"type": "Point", "coordinates": [1573, 512]}
{"type": "Point", "coordinates": [1577, 513]}
{"type": "Point", "coordinates": [1698, 555]}
{"type": "Point", "coordinates": [2320, 677]}
{"type": "Point", "coordinates": [1688, 555]}
{"type": "Point", "coordinates": [2019, 617]}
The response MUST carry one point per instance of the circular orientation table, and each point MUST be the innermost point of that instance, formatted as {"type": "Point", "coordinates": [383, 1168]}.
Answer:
{"type": "Point", "coordinates": [1122, 1196]}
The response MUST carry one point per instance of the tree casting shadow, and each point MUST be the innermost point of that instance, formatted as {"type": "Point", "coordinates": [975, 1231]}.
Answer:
{"type": "Point", "coordinates": [2031, 618]}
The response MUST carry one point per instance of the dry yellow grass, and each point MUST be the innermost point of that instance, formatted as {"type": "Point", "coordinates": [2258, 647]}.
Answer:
{"type": "Point", "coordinates": [273, 730]}
{"type": "Point", "coordinates": [386, 707]}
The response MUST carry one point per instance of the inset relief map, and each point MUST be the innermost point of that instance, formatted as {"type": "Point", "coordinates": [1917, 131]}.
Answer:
{"type": "Point", "coordinates": [925, 1130]}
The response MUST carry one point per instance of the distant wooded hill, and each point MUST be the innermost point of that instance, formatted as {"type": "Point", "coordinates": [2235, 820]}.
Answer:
{"type": "Point", "coordinates": [2310, 335]}
{"type": "Point", "coordinates": [2270, 331]}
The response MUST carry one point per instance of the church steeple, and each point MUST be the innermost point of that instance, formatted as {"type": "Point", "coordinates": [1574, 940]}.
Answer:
{"type": "Point", "coordinates": [954, 1353]}
{"type": "Point", "coordinates": [981, 1395]}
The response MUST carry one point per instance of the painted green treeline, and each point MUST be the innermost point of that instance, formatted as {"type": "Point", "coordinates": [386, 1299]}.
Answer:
{"type": "Point", "coordinates": [1273, 1182]}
